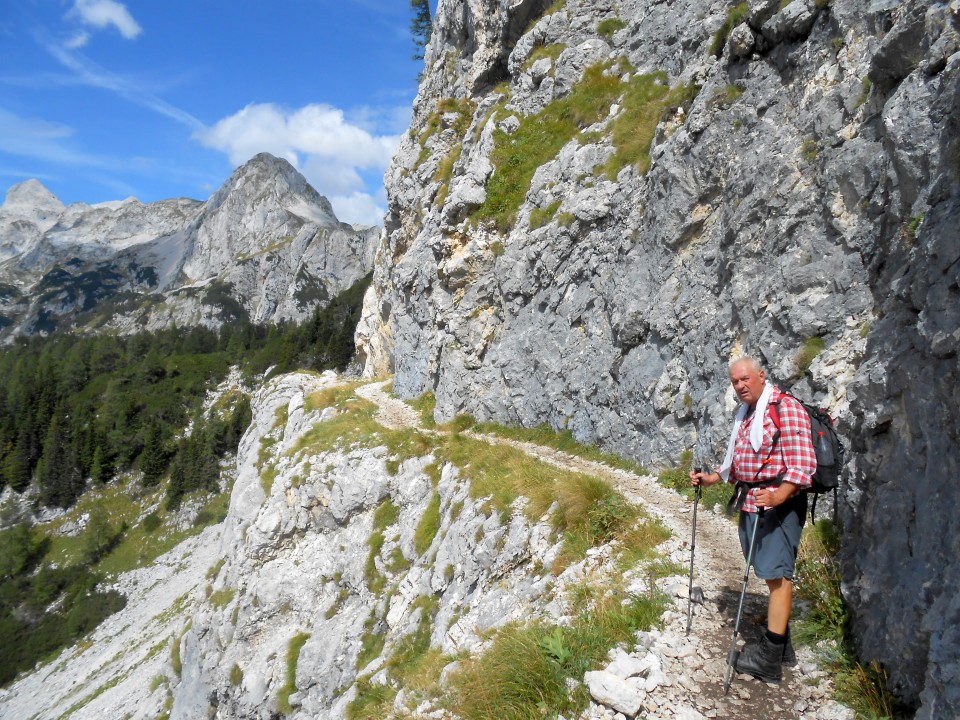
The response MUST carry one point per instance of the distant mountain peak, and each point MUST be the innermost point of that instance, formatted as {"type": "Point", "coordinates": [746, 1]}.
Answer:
{"type": "Point", "coordinates": [290, 189]}
{"type": "Point", "coordinates": [32, 200]}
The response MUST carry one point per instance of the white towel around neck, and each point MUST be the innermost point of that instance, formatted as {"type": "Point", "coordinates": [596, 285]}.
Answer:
{"type": "Point", "coordinates": [756, 429]}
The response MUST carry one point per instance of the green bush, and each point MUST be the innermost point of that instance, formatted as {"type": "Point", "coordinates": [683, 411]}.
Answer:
{"type": "Point", "coordinates": [151, 523]}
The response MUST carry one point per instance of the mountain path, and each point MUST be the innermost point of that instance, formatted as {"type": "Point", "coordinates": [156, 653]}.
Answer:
{"type": "Point", "coordinates": [694, 664]}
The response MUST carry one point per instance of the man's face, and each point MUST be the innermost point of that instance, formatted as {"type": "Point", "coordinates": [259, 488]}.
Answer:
{"type": "Point", "coordinates": [747, 382]}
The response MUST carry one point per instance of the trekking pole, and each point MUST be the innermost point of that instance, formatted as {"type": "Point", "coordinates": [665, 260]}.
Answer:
{"type": "Point", "coordinates": [694, 594]}
{"type": "Point", "coordinates": [732, 655]}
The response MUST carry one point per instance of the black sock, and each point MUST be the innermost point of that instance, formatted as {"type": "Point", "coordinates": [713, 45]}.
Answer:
{"type": "Point", "coordinates": [775, 638]}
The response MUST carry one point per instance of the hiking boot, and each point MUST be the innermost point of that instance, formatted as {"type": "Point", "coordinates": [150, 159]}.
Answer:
{"type": "Point", "coordinates": [762, 660]}
{"type": "Point", "coordinates": [789, 654]}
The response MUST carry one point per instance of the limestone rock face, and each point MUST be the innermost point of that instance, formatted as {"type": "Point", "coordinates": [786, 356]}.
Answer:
{"type": "Point", "coordinates": [298, 559]}
{"type": "Point", "coordinates": [802, 207]}
{"type": "Point", "coordinates": [266, 244]}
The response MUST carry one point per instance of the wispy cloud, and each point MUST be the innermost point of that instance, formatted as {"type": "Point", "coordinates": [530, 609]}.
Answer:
{"type": "Point", "coordinates": [320, 141]}
{"type": "Point", "coordinates": [40, 139]}
{"type": "Point", "coordinates": [90, 73]}
{"type": "Point", "coordinates": [101, 14]}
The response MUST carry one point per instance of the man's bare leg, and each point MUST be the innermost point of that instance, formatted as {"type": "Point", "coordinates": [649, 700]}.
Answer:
{"type": "Point", "coordinates": [781, 605]}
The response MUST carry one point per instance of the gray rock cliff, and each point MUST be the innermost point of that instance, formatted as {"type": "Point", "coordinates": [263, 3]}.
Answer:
{"type": "Point", "coordinates": [800, 202]}
{"type": "Point", "coordinates": [265, 245]}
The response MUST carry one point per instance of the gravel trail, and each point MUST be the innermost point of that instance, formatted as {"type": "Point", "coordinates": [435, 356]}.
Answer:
{"type": "Point", "coordinates": [693, 667]}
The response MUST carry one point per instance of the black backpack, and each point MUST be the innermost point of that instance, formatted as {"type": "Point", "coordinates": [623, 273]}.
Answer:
{"type": "Point", "coordinates": [827, 447]}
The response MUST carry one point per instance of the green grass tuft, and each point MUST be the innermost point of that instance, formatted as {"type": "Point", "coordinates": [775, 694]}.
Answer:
{"type": "Point", "coordinates": [538, 139]}
{"type": "Point", "coordinates": [562, 440]}
{"type": "Point", "coordinates": [445, 172]}
{"type": "Point", "coordinates": [425, 405]}
{"type": "Point", "coordinates": [524, 673]}
{"type": "Point", "coordinates": [646, 101]}
{"type": "Point", "coordinates": [371, 643]}
{"type": "Point", "coordinates": [540, 217]}
{"type": "Point", "coordinates": [606, 28]}
{"type": "Point", "coordinates": [805, 356]}
{"type": "Point", "coordinates": [735, 15]}
{"type": "Point", "coordinates": [428, 526]}
{"type": "Point", "coordinates": [221, 598]}
{"type": "Point", "coordinates": [544, 51]}
{"type": "Point", "coordinates": [727, 96]}
{"type": "Point", "coordinates": [290, 686]}
{"type": "Point", "coordinates": [516, 157]}
{"type": "Point", "coordinates": [678, 478]}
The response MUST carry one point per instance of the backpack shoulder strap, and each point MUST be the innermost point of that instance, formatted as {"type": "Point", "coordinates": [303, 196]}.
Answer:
{"type": "Point", "coordinates": [775, 413]}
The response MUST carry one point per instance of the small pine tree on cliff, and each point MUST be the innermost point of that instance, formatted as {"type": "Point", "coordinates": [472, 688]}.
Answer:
{"type": "Point", "coordinates": [420, 27]}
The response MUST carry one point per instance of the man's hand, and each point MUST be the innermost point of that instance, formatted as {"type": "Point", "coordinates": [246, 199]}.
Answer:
{"type": "Point", "coordinates": [702, 478]}
{"type": "Point", "coordinates": [771, 497]}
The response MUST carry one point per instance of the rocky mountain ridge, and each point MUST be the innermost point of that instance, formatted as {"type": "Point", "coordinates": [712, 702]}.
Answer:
{"type": "Point", "coordinates": [265, 246]}
{"type": "Point", "coordinates": [795, 195]}
{"type": "Point", "coordinates": [308, 559]}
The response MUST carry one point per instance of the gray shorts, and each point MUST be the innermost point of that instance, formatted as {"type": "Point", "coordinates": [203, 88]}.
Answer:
{"type": "Point", "coordinates": [778, 538]}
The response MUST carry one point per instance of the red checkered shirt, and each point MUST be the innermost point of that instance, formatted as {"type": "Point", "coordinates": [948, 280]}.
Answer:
{"type": "Point", "coordinates": [792, 457]}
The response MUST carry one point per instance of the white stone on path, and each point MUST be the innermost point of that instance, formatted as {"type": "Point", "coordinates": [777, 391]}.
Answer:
{"type": "Point", "coordinates": [609, 690]}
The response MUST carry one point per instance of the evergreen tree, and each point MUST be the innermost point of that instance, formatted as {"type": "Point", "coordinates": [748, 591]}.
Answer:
{"type": "Point", "coordinates": [421, 27]}
{"type": "Point", "coordinates": [16, 470]}
{"type": "Point", "coordinates": [99, 467]}
{"type": "Point", "coordinates": [153, 459]}
{"type": "Point", "coordinates": [239, 422]}
{"type": "Point", "coordinates": [178, 481]}
{"type": "Point", "coordinates": [73, 371]}
{"type": "Point", "coordinates": [60, 482]}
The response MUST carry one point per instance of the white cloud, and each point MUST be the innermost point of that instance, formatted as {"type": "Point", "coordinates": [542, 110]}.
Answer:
{"type": "Point", "coordinates": [391, 119]}
{"type": "Point", "coordinates": [103, 13]}
{"type": "Point", "coordinates": [358, 208]}
{"type": "Point", "coordinates": [77, 41]}
{"type": "Point", "coordinates": [320, 142]}
{"type": "Point", "coordinates": [334, 178]}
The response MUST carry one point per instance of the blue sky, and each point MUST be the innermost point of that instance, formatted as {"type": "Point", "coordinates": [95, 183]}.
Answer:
{"type": "Point", "coordinates": [103, 100]}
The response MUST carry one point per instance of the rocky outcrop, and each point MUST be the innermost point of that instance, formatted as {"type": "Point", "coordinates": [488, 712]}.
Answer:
{"type": "Point", "coordinates": [800, 203]}
{"type": "Point", "coordinates": [266, 246]}
{"type": "Point", "coordinates": [299, 559]}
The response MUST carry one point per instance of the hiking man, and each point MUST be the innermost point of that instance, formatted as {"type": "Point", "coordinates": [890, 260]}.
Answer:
{"type": "Point", "coordinates": [771, 467]}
